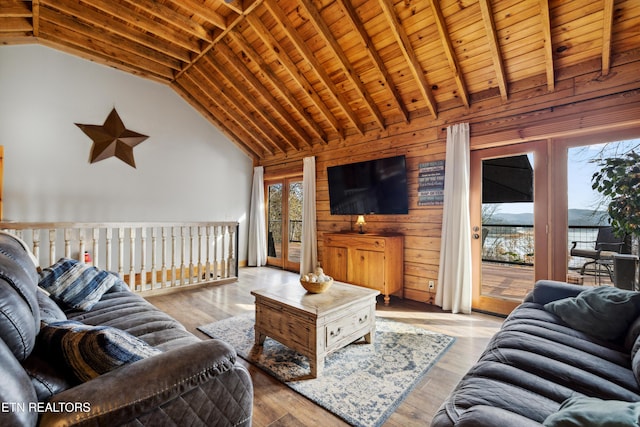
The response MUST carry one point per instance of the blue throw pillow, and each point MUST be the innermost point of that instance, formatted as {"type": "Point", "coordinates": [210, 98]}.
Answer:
{"type": "Point", "coordinates": [592, 412]}
{"type": "Point", "coordinates": [90, 351]}
{"type": "Point", "coordinates": [75, 284]}
{"type": "Point", "coordinates": [603, 312]}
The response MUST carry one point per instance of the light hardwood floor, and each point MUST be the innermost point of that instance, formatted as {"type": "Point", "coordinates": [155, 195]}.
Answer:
{"type": "Point", "coordinates": [277, 405]}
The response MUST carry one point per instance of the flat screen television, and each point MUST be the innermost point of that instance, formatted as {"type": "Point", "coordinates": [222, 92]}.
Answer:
{"type": "Point", "coordinates": [370, 187]}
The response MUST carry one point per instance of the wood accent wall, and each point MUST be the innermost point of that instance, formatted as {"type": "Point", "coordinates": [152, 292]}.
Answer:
{"type": "Point", "coordinates": [583, 102]}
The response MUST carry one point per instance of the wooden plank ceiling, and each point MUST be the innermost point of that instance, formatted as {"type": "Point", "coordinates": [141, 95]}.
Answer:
{"type": "Point", "coordinates": [284, 75]}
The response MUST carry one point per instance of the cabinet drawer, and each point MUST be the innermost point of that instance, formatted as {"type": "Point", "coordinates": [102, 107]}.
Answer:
{"type": "Point", "coordinates": [356, 241]}
{"type": "Point", "coordinates": [348, 327]}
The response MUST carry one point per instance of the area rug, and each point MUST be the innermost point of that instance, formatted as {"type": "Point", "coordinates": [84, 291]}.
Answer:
{"type": "Point", "coordinates": [363, 384]}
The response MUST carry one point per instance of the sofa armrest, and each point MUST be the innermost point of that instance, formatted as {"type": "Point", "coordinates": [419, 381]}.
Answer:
{"type": "Point", "coordinates": [545, 291]}
{"type": "Point", "coordinates": [136, 390]}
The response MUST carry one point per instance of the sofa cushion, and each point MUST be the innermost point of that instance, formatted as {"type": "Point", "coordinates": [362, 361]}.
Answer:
{"type": "Point", "coordinates": [551, 290]}
{"type": "Point", "coordinates": [588, 411]}
{"type": "Point", "coordinates": [90, 351]}
{"type": "Point", "coordinates": [4, 234]}
{"type": "Point", "coordinates": [604, 312]}
{"type": "Point", "coordinates": [75, 284]}
{"type": "Point", "coordinates": [15, 389]}
{"type": "Point", "coordinates": [19, 310]}
{"type": "Point", "coordinates": [132, 313]}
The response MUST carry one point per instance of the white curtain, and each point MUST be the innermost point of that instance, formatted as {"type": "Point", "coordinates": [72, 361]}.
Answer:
{"type": "Point", "coordinates": [454, 279]}
{"type": "Point", "coordinates": [309, 252]}
{"type": "Point", "coordinates": [257, 245]}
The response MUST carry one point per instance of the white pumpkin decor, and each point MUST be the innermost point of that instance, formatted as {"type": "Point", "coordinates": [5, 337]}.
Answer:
{"type": "Point", "coordinates": [316, 282]}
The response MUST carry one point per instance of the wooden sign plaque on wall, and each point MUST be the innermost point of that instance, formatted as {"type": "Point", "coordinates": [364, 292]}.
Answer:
{"type": "Point", "coordinates": [431, 183]}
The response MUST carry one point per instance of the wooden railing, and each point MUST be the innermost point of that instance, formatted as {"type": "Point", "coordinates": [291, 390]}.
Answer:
{"type": "Point", "coordinates": [150, 257]}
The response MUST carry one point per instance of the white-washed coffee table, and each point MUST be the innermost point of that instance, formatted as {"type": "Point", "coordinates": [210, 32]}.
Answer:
{"type": "Point", "coordinates": [315, 324]}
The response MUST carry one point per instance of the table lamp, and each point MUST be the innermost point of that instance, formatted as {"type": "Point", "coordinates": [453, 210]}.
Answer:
{"type": "Point", "coordinates": [360, 221]}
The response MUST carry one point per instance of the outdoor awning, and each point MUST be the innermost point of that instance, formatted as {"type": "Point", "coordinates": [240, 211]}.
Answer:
{"type": "Point", "coordinates": [507, 180]}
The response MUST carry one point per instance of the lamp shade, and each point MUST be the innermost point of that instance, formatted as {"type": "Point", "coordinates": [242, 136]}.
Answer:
{"type": "Point", "coordinates": [360, 220]}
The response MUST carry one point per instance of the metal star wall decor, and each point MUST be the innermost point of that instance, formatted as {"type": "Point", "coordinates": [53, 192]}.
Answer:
{"type": "Point", "coordinates": [112, 139]}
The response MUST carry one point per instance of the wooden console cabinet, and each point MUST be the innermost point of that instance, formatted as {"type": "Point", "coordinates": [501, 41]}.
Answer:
{"type": "Point", "coordinates": [374, 261]}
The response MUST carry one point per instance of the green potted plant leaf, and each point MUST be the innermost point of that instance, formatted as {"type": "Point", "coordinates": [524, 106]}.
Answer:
{"type": "Point", "coordinates": [619, 181]}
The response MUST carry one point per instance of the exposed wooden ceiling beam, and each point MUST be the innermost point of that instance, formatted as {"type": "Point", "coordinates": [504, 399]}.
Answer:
{"type": "Point", "coordinates": [285, 61]}
{"type": "Point", "coordinates": [54, 41]}
{"type": "Point", "coordinates": [187, 88]}
{"type": "Point", "coordinates": [276, 84]}
{"type": "Point", "coordinates": [548, 46]}
{"type": "Point", "coordinates": [172, 18]}
{"type": "Point", "coordinates": [66, 31]}
{"type": "Point", "coordinates": [232, 21]}
{"type": "Point", "coordinates": [239, 66]}
{"type": "Point", "coordinates": [325, 33]}
{"type": "Point", "coordinates": [35, 17]}
{"type": "Point", "coordinates": [237, 6]}
{"type": "Point", "coordinates": [75, 10]}
{"type": "Point", "coordinates": [242, 7]}
{"type": "Point", "coordinates": [230, 80]}
{"type": "Point", "coordinates": [204, 12]}
{"type": "Point", "coordinates": [108, 38]}
{"type": "Point", "coordinates": [210, 65]}
{"type": "Point", "coordinates": [172, 36]}
{"type": "Point", "coordinates": [607, 28]}
{"type": "Point", "coordinates": [375, 58]}
{"type": "Point", "coordinates": [206, 81]}
{"type": "Point", "coordinates": [450, 53]}
{"type": "Point", "coordinates": [409, 54]}
{"type": "Point", "coordinates": [309, 56]}
{"type": "Point", "coordinates": [494, 47]}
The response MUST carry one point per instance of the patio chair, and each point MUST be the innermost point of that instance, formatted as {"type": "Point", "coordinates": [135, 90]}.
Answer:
{"type": "Point", "coordinates": [606, 245]}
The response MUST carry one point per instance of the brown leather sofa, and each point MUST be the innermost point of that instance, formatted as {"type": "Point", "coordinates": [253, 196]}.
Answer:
{"type": "Point", "coordinates": [190, 382]}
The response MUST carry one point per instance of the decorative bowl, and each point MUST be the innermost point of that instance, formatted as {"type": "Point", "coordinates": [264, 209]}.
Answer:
{"type": "Point", "coordinates": [316, 287]}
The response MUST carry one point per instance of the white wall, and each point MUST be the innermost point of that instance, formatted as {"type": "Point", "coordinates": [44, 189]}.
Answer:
{"type": "Point", "coordinates": [185, 171]}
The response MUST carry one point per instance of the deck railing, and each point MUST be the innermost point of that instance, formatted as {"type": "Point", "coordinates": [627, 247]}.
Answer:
{"type": "Point", "coordinates": [514, 243]}
{"type": "Point", "coordinates": [150, 257]}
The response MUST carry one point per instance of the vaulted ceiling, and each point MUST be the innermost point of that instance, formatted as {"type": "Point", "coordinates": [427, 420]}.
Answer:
{"type": "Point", "coordinates": [284, 75]}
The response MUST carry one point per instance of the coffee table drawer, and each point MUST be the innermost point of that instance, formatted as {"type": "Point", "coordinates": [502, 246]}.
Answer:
{"type": "Point", "coordinates": [347, 327]}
